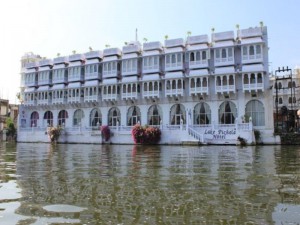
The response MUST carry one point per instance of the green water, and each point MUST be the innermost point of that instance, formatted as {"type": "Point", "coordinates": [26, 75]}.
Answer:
{"type": "Point", "coordinates": [124, 184]}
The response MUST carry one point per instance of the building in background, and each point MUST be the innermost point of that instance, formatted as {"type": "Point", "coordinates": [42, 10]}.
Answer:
{"type": "Point", "coordinates": [199, 89]}
{"type": "Point", "coordinates": [286, 115]}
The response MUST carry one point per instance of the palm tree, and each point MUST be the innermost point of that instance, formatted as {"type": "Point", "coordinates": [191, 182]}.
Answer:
{"type": "Point", "coordinates": [145, 39]}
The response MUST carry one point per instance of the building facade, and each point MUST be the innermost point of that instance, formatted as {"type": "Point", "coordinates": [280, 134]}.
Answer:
{"type": "Point", "coordinates": [210, 90]}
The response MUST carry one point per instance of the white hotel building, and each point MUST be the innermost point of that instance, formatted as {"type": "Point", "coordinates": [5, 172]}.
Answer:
{"type": "Point", "coordinates": [208, 90]}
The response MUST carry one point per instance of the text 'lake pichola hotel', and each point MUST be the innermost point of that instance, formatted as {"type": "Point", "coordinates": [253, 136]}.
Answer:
{"type": "Point", "coordinates": [201, 89]}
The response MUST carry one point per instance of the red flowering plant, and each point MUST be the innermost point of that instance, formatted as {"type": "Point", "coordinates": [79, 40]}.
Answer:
{"type": "Point", "coordinates": [105, 131]}
{"type": "Point", "coordinates": [145, 135]}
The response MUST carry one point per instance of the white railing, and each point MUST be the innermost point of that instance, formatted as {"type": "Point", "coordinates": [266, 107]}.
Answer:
{"type": "Point", "coordinates": [147, 94]}
{"type": "Point", "coordinates": [195, 134]}
{"type": "Point", "coordinates": [175, 92]}
{"type": "Point", "coordinates": [109, 96]}
{"type": "Point", "coordinates": [91, 98]}
{"type": "Point", "coordinates": [225, 88]}
{"type": "Point", "coordinates": [131, 95]}
{"type": "Point", "coordinates": [93, 75]}
{"type": "Point", "coordinates": [58, 100]}
{"type": "Point", "coordinates": [199, 90]}
{"type": "Point", "coordinates": [74, 99]}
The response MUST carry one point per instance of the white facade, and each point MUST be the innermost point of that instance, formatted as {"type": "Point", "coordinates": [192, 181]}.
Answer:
{"type": "Point", "coordinates": [201, 90]}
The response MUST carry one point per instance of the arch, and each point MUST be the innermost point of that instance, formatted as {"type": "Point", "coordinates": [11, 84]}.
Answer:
{"type": "Point", "coordinates": [154, 115]}
{"type": "Point", "coordinates": [202, 113]}
{"type": "Point", "coordinates": [255, 110]}
{"type": "Point", "coordinates": [280, 100]}
{"type": "Point", "coordinates": [192, 56]}
{"type": "Point", "coordinates": [133, 115]}
{"type": "Point", "coordinates": [48, 118]}
{"type": "Point", "coordinates": [114, 117]}
{"type": "Point", "coordinates": [95, 118]}
{"type": "Point", "coordinates": [251, 50]}
{"type": "Point", "coordinates": [34, 118]}
{"type": "Point", "coordinates": [62, 117]}
{"type": "Point", "coordinates": [77, 117]}
{"type": "Point", "coordinates": [227, 113]}
{"type": "Point", "coordinates": [177, 113]}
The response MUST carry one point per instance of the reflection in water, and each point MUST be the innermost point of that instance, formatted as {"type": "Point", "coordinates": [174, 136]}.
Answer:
{"type": "Point", "coordinates": [123, 184]}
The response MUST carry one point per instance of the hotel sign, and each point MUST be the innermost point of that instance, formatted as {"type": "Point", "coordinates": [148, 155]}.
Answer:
{"type": "Point", "coordinates": [220, 133]}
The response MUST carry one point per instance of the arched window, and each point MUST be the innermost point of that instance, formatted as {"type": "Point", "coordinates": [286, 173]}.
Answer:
{"type": "Point", "coordinates": [289, 84]}
{"type": "Point", "coordinates": [202, 113]}
{"type": "Point", "coordinates": [251, 50]}
{"type": "Point", "coordinates": [192, 56]}
{"type": "Point", "coordinates": [204, 55]}
{"type": "Point", "coordinates": [177, 114]}
{"type": "Point", "coordinates": [62, 117]}
{"type": "Point", "coordinates": [256, 111]}
{"type": "Point", "coordinates": [246, 79]}
{"type": "Point", "coordinates": [245, 51]}
{"type": "Point", "coordinates": [280, 100]}
{"type": "Point", "coordinates": [114, 117]}
{"type": "Point", "coordinates": [224, 55]}
{"type": "Point", "coordinates": [154, 115]}
{"type": "Point", "coordinates": [294, 84]}
{"type": "Point", "coordinates": [227, 113]}
{"type": "Point", "coordinates": [133, 116]}
{"type": "Point", "coordinates": [290, 100]}
{"type": "Point", "coordinates": [95, 118]}
{"type": "Point", "coordinates": [48, 118]}
{"type": "Point", "coordinates": [279, 85]}
{"type": "Point", "coordinates": [77, 118]}
{"type": "Point", "coordinates": [34, 118]}
{"type": "Point", "coordinates": [197, 56]}
{"type": "Point", "coordinates": [258, 49]}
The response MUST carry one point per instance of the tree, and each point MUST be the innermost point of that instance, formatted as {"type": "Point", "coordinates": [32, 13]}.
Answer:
{"type": "Point", "coordinates": [166, 37]}
{"type": "Point", "coordinates": [11, 130]}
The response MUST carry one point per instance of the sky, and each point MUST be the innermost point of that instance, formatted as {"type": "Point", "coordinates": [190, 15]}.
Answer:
{"type": "Point", "coordinates": [48, 27]}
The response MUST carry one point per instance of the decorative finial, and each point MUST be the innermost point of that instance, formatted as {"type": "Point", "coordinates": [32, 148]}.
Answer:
{"type": "Point", "coordinates": [90, 48]}
{"type": "Point", "coordinates": [212, 29]}
{"type": "Point", "coordinates": [166, 37]}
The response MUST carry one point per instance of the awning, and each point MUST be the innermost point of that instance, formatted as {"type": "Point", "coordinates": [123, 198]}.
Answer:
{"type": "Point", "coordinates": [43, 88]}
{"type": "Point", "coordinates": [197, 47]}
{"type": "Point", "coordinates": [151, 77]}
{"type": "Point", "coordinates": [225, 70]}
{"type": "Point", "coordinates": [91, 61]}
{"type": "Point", "coordinates": [110, 81]}
{"type": "Point", "coordinates": [74, 85]}
{"type": "Point", "coordinates": [251, 40]}
{"type": "Point", "coordinates": [174, 75]}
{"type": "Point", "coordinates": [91, 83]}
{"type": "Point", "coordinates": [58, 87]}
{"type": "Point", "coordinates": [27, 90]}
{"type": "Point", "coordinates": [130, 79]}
{"type": "Point", "coordinates": [253, 68]}
{"type": "Point", "coordinates": [197, 73]}
{"type": "Point", "coordinates": [223, 44]}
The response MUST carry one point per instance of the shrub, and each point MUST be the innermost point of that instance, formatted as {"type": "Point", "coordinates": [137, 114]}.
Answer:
{"type": "Point", "coordinates": [54, 133]}
{"type": "Point", "coordinates": [105, 132]}
{"type": "Point", "coordinates": [145, 135]}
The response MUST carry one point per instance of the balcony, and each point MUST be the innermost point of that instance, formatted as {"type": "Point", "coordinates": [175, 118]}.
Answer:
{"type": "Point", "coordinates": [199, 39]}
{"type": "Point", "coordinates": [75, 99]}
{"type": "Point", "coordinates": [110, 97]}
{"type": "Point", "coordinates": [225, 88]}
{"type": "Point", "coordinates": [91, 98]}
{"type": "Point", "coordinates": [151, 69]}
{"type": "Point", "coordinates": [198, 64]}
{"type": "Point", "coordinates": [92, 76]}
{"type": "Point", "coordinates": [111, 51]}
{"type": "Point", "coordinates": [93, 55]}
{"type": "Point", "coordinates": [44, 101]}
{"type": "Point", "coordinates": [46, 62]}
{"type": "Point", "coordinates": [110, 73]}
{"type": "Point", "coordinates": [59, 100]}
{"type": "Point", "coordinates": [30, 102]}
{"type": "Point", "coordinates": [222, 36]}
{"type": "Point", "coordinates": [151, 94]}
{"type": "Point", "coordinates": [179, 42]}
{"type": "Point", "coordinates": [175, 92]}
{"type": "Point", "coordinates": [76, 57]}
{"type": "Point", "coordinates": [152, 46]}
{"type": "Point", "coordinates": [253, 87]}
{"type": "Point", "coordinates": [250, 32]}
{"type": "Point", "coordinates": [132, 48]}
{"type": "Point", "coordinates": [129, 95]}
{"type": "Point", "coordinates": [199, 90]}
{"type": "Point", "coordinates": [174, 66]}
{"type": "Point", "coordinates": [258, 58]}
{"type": "Point", "coordinates": [45, 82]}
{"type": "Point", "coordinates": [224, 61]}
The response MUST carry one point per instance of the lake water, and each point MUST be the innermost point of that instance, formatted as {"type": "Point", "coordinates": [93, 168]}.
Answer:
{"type": "Point", "coordinates": [167, 185]}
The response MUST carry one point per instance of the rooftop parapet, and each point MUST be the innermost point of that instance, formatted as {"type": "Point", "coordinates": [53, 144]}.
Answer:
{"type": "Point", "coordinates": [133, 47]}
{"type": "Point", "coordinates": [46, 62]}
{"type": "Point", "coordinates": [222, 36]}
{"type": "Point", "coordinates": [93, 55]}
{"type": "Point", "coordinates": [76, 57]}
{"type": "Point", "coordinates": [155, 45]}
{"type": "Point", "coordinates": [179, 42]}
{"type": "Point", "coordinates": [199, 39]}
{"type": "Point", "coordinates": [62, 59]}
{"type": "Point", "coordinates": [31, 65]}
{"type": "Point", "coordinates": [111, 51]}
{"type": "Point", "coordinates": [250, 32]}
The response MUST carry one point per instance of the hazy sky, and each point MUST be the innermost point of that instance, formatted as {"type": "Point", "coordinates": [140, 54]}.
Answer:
{"type": "Point", "coordinates": [48, 27]}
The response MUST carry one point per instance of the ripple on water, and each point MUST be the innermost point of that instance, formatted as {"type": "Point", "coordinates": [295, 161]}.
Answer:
{"type": "Point", "coordinates": [63, 208]}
